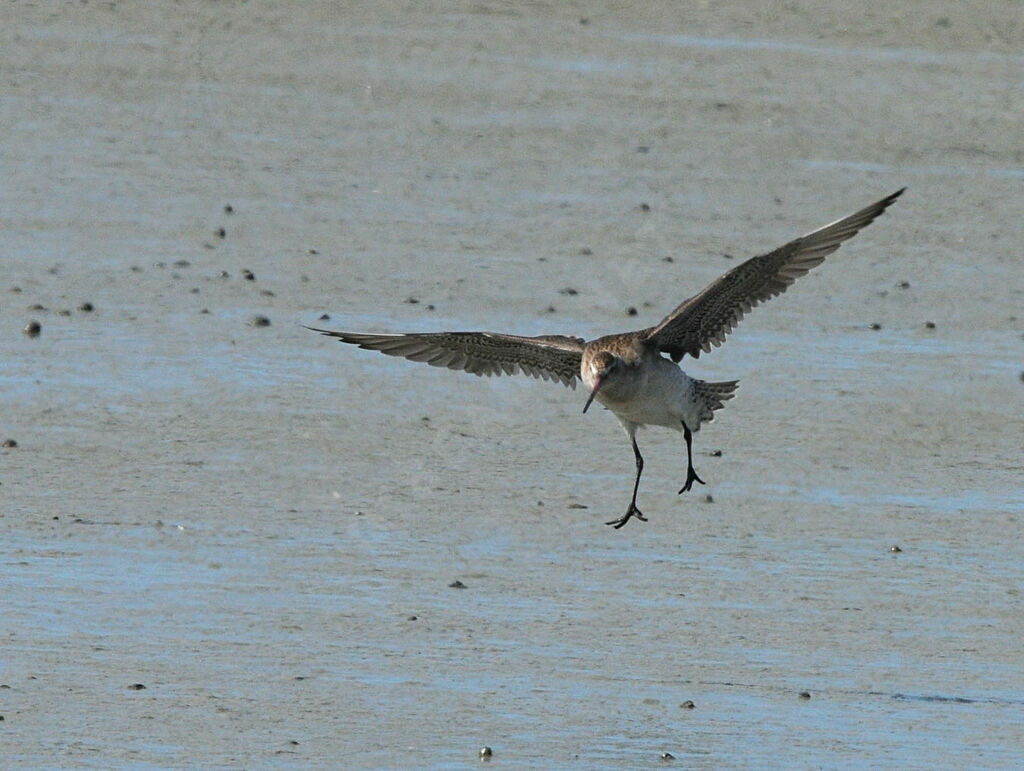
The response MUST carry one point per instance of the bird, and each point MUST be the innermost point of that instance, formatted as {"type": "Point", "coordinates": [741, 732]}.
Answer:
{"type": "Point", "coordinates": [636, 375]}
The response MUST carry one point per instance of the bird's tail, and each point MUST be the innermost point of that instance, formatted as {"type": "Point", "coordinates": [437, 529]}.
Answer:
{"type": "Point", "coordinates": [712, 396]}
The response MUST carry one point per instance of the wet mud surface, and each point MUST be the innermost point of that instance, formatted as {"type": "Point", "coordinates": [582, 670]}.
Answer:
{"type": "Point", "coordinates": [227, 541]}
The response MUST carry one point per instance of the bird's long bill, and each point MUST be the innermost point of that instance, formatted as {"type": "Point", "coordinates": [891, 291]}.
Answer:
{"type": "Point", "coordinates": [597, 387]}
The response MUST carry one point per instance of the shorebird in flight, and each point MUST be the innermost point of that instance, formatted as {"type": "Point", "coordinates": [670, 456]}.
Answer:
{"type": "Point", "coordinates": [629, 372]}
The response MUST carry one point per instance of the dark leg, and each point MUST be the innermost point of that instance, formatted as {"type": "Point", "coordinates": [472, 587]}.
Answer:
{"type": "Point", "coordinates": [632, 511]}
{"type": "Point", "coordinates": [691, 475]}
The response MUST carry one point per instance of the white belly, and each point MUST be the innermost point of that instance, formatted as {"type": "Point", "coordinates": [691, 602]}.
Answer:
{"type": "Point", "coordinates": [663, 397]}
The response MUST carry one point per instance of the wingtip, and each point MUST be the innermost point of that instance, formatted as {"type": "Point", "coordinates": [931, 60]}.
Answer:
{"type": "Point", "coordinates": [870, 212]}
{"type": "Point", "coordinates": [890, 198]}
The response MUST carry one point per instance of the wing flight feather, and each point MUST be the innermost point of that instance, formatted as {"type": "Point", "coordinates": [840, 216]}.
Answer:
{"type": "Point", "coordinates": [705, 319]}
{"type": "Point", "coordinates": [548, 357]}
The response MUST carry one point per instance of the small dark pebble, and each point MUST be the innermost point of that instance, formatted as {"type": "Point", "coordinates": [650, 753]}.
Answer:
{"type": "Point", "coordinates": [33, 328]}
{"type": "Point", "coordinates": [709, 498]}
{"type": "Point", "coordinates": [929, 325]}
{"type": "Point", "coordinates": [1022, 376]}
{"type": "Point", "coordinates": [266, 293]}
{"type": "Point", "coordinates": [64, 312]}
{"type": "Point", "coordinates": [631, 311]}
{"type": "Point", "coordinates": [324, 317]}
{"type": "Point", "coordinates": [293, 742]}
{"type": "Point", "coordinates": [456, 584]}
{"type": "Point", "coordinates": [229, 209]}
{"type": "Point", "coordinates": [36, 307]}
{"type": "Point", "coordinates": [182, 263]}
{"type": "Point", "coordinates": [667, 259]}
{"type": "Point", "coordinates": [895, 549]}
{"type": "Point", "coordinates": [430, 306]}
{"type": "Point", "coordinates": [248, 275]}
{"type": "Point", "coordinates": [313, 252]}
{"type": "Point", "coordinates": [412, 300]}
{"type": "Point", "coordinates": [715, 453]}
{"type": "Point", "coordinates": [486, 753]}
{"type": "Point", "coordinates": [259, 321]}
{"type": "Point", "coordinates": [86, 307]}
{"type": "Point", "coordinates": [551, 309]}
{"type": "Point", "coordinates": [577, 506]}
{"type": "Point", "coordinates": [645, 207]}
{"type": "Point", "coordinates": [904, 285]}
{"type": "Point", "coordinates": [586, 251]}
{"type": "Point", "coordinates": [222, 233]}
{"type": "Point", "coordinates": [412, 618]}
{"type": "Point", "coordinates": [194, 290]}
{"type": "Point", "coordinates": [667, 756]}
{"type": "Point", "coordinates": [687, 704]}
{"type": "Point", "coordinates": [136, 687]}
{"type": "Point", "coordinates": [8, 443]}
{"type": "Point", "coordinates": [643, 149]}
{"type": "Point", "coordinates": [223, 274]}
{"type": "Point", "coordinates": [876, 326]}
{"type": "Point", "coordinates": [805, 695]}
{"type": "Point", "coordinates": [568, 291]}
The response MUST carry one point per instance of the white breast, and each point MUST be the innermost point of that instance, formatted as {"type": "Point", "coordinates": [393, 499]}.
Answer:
{"type": "Point", "coordinates": [660, 395]}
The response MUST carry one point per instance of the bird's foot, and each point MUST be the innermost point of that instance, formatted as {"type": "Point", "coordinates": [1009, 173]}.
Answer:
{"type": "Point", "coordinates": [632, 511]}
{"type": "Point", "coordinates": [691, 477]}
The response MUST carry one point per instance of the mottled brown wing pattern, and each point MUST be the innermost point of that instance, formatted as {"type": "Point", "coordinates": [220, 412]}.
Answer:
{"type": "Point", "coordinates": [548, 357]}
{"type": "Point", "coordinates": [705, 319]}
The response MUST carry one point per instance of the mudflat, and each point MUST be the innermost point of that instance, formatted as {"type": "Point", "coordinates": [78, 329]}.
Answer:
{"type": "Point", "coordinates": [228, 541]}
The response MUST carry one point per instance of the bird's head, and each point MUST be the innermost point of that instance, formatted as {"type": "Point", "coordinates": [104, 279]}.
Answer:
{"type": "Point", "coordinates": [599, 369]}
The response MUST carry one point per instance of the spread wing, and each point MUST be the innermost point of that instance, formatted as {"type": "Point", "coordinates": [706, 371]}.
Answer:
{"type": "Point", "coordinates": [706, 318]}
{"type": "Point", "coordinates": [548, 357]}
